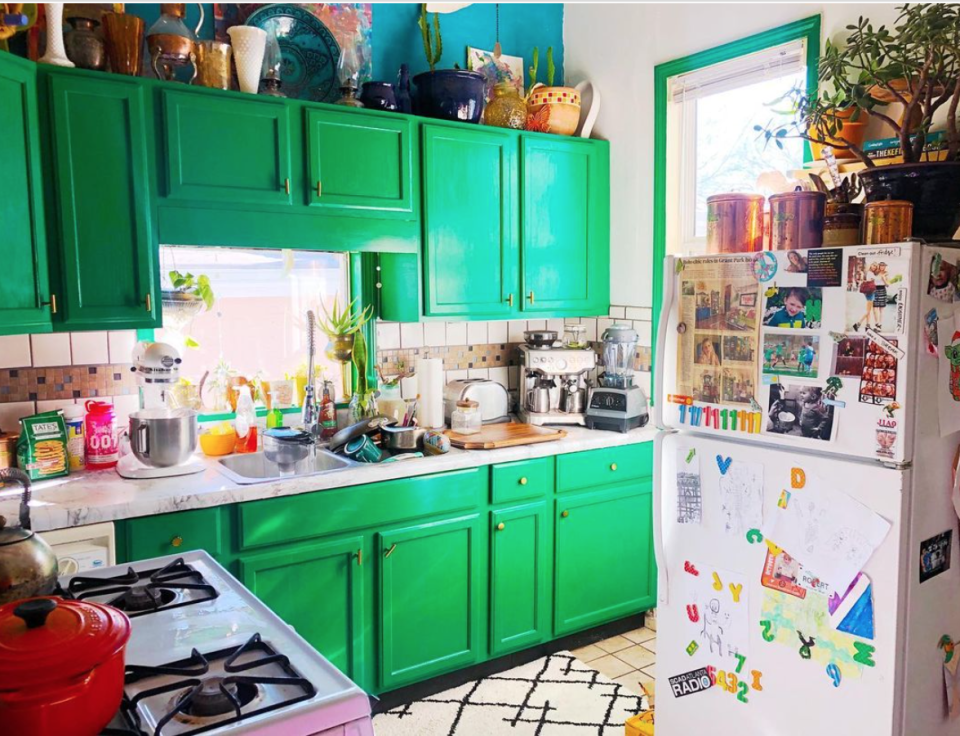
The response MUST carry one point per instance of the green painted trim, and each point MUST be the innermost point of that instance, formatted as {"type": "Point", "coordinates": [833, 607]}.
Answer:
{"type": "Point", "coordinates": [146, 333]}
{"type": "Point", "coordinates": [228, 416]}
{"type": "Point", "coordinates": [808, 29]}
{"type": "Point", "coordinates": [363, 284]}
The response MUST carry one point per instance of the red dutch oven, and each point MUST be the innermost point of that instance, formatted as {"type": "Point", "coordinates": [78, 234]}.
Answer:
{"type": "Point", "coordinates": [61, 666]}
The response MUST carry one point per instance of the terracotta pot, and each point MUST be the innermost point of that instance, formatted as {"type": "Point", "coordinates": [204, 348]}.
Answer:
{"type": "Point", "coordinates": [553, 110]}
{"type": "Point", "coordinates": [855, 132]}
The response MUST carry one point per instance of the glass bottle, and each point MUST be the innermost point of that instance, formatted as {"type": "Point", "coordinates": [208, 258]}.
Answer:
{"type": "Point", "coordinates": [506, 109]}
{"type": "Point", "coordinates": [328, 413]}
{"type": "Point", "coordinates": [466, 417]}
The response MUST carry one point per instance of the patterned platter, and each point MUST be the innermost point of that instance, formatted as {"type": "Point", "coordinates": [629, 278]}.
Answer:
{"type": "Point", "coordinates": [309, 50]}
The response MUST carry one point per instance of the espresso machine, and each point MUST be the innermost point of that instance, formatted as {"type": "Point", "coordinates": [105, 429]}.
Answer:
{"type": "Point", "coordinates": [617, 404]}
{"type": "Point", "coordinates": [554, 384]}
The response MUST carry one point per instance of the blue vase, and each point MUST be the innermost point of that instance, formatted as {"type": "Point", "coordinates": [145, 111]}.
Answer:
{"type": "Point", "coordinates": [404, 101]}
{"type": "Point", "coordinates": [450, 94]}
{"type": "Point", "coordinates": [378, 96]}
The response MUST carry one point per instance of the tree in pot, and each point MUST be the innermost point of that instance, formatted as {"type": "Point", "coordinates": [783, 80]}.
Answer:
{"type": "Point", "coordinates": [915, 64]}
{"type": "Point", "coordinates": [448, 94]}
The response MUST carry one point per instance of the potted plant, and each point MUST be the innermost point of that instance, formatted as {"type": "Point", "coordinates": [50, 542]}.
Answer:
{"type": "Point", "coordinates": [342, 327]}
{"type": "Point", "coordinates": [448, 94]}
{"type": "Point", "coordinates": [551, 109]}
{"type": "Point", "coordinates": [189, 296]}
{"type": "Point", "coordinates": [915, 64]}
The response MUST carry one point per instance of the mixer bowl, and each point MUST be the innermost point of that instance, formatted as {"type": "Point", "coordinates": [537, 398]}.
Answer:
{"type": "Point", "coordinates": [162, 438]}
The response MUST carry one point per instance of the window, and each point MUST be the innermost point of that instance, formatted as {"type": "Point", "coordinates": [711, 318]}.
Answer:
{"type": "Point", "coordinates": [712, 112]}
{"type": "Point", "coordinates": [257, 326]}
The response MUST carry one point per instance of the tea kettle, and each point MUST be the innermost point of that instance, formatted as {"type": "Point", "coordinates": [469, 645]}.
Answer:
{"type": "Point", "coordinates": [28, 567]}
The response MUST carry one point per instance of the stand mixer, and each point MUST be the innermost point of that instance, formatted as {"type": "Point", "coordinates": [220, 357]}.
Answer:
{"type": "Point", "coordinates": [162, 439]}
{"type": "Point", "coordinates": [554, 388]}
{"type": "Point", "coordinates": [617, 404]}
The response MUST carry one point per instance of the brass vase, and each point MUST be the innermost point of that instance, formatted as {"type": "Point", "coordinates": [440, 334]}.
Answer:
{"type": "Point", "coordinates": [340, 349]}
{"type": "Point", "coordinates": [506, 109]}
{"type": "Point", "coordinates": [124, 38]}
{"type": "Point", "coordinates": [213, 64]}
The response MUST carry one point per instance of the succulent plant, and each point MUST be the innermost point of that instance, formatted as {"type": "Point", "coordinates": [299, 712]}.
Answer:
{"type": "Point", "coordinates": [433, 54]}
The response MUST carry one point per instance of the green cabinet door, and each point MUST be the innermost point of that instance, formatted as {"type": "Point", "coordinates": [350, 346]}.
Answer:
{"type": "Point", "coordinates": [107, 255]}
{"type": "Point", "coordinates": [24, 289]}
{"type": "Point", "coordinates": [519, 578]}
{"type": "Point", "coordinates": [223, 149]}
{"type": "Point", "coordinates": [431, 576]}
{"type": "Point", "coordinates": [565, 229]}
{"type": "Point", "coordinates": [470, 222]}
{"type": "Point", "coordinates": [318, 590]}
{"type": "Point", "coordinates": [361, 165]}
{"type": "Point", "coordinates": [603, 557]}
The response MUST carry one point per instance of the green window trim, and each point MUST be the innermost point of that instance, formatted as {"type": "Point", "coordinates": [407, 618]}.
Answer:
{"type": "Point", "coordinates": [807, 29]}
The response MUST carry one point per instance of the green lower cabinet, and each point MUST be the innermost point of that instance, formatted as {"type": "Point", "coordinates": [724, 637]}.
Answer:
{"type": "Point", "coordinates": [431, 577]}
{"type": "Point", "coordinates": [170, 534]}
{"type": "Point", "coordinates": [603, 556]}
{"type": "Point", "coordinates": [318, 590]}
{"type": "Point", "coordinates": [519, 578]}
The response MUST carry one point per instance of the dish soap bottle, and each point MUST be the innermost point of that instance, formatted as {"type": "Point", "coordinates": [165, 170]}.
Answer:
{"type": "Point", "coordinates": [246, 422]}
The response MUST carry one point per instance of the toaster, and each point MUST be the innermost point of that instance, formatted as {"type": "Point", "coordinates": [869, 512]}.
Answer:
{"type": "Point", "coordinates": [492, 397]}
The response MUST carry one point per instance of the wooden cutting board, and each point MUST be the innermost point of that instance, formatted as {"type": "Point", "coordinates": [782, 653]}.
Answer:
{"type": "Point", "coordinates": [493, 436]}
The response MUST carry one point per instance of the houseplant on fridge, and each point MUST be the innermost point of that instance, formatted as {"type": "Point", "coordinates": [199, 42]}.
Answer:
{"type": "Point", "coordinates": [916, 64]}
{"type": "Point", "coordinates": [448, 94]}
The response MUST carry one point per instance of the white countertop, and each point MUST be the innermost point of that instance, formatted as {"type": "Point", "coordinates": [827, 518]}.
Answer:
{"type": "Point", "coordinates": [91, 497]}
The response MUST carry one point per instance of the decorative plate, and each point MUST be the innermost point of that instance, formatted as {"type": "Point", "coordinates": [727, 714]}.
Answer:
{"type": "Point", "coordinates": [309, 50]}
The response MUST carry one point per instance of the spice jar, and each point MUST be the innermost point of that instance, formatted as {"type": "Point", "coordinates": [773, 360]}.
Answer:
{"type": "Point", "coordinates": [796, 220]}
{"type": "Point", "coordinates": [466, 417]}
{"type": "Point", "coordinates": [734, 223]}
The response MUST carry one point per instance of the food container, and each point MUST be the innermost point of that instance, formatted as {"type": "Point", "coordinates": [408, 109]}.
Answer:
{"type": "Point", "coordinates": [73, 418]}
{"type": "Point", "coordinates": [575, 337]}
{"type": "Point", "coordinates": [402, 439]}
{"type": "Point", "coordinates": [887, 221]}
{"type": "Point", "coordinates": [734, 223]}
{"type": "Point", "coordinates": [796, 220]}
{"type": "Point", "coordinates": [8, 450]}
{"type": "Point", "coordinates": [163, 438]}
{"type": "Point", "coordinates": [842, 228]}
{"type": "Point", "coordinates": [466, 417]}
{"type": "Point", "coordinates": [491, 395]}
{"type": "Point", "coordinates": [61, 666]}
{"type": "Point", "coordinates": [100, 432]}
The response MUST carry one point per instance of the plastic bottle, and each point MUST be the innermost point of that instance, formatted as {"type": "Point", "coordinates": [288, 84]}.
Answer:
{"type": "Point", "coordinates": [246, 422]}
{"type": "Point", "coordinates": [100, 436]}
{"type": "Point", "coordinates": [73, 417]}
{"type": "Point", "coordinates": [274, 418]}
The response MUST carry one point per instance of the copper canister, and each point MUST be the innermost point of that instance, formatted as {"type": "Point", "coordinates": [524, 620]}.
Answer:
{"type": "Point", "coordinates": [887, 221]}
{"type": "Point", "coordinates": [735, 223]}
{"type": "Point", "coordinates": [841, 228]}
{"type": "Point", "coordinates": [796, 220]}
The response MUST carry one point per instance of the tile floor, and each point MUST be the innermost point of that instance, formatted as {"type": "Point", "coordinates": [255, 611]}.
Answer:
{"type": "Point", "coordinates": [629, 659]}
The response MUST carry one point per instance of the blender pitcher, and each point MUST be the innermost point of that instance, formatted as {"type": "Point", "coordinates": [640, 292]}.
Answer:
{"type": "Point", "coordinates": [619, 353]}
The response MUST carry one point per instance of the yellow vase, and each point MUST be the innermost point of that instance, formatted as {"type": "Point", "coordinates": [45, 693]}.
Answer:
{"type": "Point", "coordinates": [506, 109]}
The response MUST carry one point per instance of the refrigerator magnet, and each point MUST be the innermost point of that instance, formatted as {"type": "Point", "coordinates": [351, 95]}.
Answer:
{"type": "Point", "coordinates": [935, 555]}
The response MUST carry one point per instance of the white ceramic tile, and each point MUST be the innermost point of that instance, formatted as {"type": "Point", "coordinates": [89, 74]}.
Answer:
{"type": "Point", "coordinates": [15, 351]}
{"type": "Point", "coordinates": [501, 375]}
{"type": "Point", "coordinates": [536, 324]}
{"type": "Point", "coordinates": [497, 332]}
{"type": "Point", "coordinates": [121, 344]}
{"type": "Point", "coordinates": [556, 325]}
{"type": "Point", "coordinates": [643, 379]}
{"type": "Point", "coordinates": [644, 313]}
{"type": "Point", "coordinates": [89, 348]}
{"type": "Point", "coordinates": [411, 335]}
{"type": "Point", "coordinates": [602, 324]}
{"type": "Point", "coordinates": [408, 387]}
{"type": "Point", "coordinates": [388, 335]}
{"type": "Point", "coordinates": [458, 374]}
{"type": "Point", "coordinates": [125, 406]}
{"type": "Point", "coordinates": [435, 334]}
{"type": "Point", "coordinates": [456, 333]}
{"type": "Point", "coordinates": [645, 330]}
{"type": "Point", "coordinates": [51, 349]}
{"type": "Point", "coordinates": [513, 377]}
{"type": "Point", "coordinates": [636, 313]}
{"type": "Point", "coordinates": [591, 324]}
{"type": "Point", "coordinates": [616, 312]}
{"type": "Point", "coordinates": [11, 414]}
{"type": "Point", "coordinates": [478, 373]}
{"type": "Point", "coordinates": [515, 330]}
{"type": "Point", "coordinates": [476, 333]}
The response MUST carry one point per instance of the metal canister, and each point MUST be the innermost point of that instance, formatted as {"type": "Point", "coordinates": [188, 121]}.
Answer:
{"type": "Point", "coordinates": [734, 223]}
{"type": "Point", "coordinates": [796, 219]}
{"type": "Point", "coordinates": [887, 221]}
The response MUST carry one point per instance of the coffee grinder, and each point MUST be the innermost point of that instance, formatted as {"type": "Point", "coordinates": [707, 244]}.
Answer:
{"type": "Point", "coordinates": [617, 404]}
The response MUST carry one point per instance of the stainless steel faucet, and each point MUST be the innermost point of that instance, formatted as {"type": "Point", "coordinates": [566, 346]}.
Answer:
{"type": "Point", "coordinates": [311, 413]}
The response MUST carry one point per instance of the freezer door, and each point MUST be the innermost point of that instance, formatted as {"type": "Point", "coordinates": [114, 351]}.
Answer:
{"type": "Point", "coordinates": [788, 644]}
{"type": "Point", "coordinates": [808, 349]}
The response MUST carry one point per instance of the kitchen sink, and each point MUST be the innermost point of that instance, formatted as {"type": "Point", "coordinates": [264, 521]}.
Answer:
{"type": "Point", "coordinates": [255, 468]}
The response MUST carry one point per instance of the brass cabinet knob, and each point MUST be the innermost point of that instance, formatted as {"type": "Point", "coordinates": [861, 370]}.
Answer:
{"type": "Point", "coordinates": [286, 185]}
{"type": "Point", "coordinates": [319, 189]}
{"type": "Point", "coordinates": [613, 466]}
{"type": "Point", "coordinates": [390, 551]}
{"type": "Point", "coordinates": [501, 526]}
{"type": "Point", "coordinates": [359, 557]}
{"type": "Point", "coordinates": [52, 304]}
{"type": "Point", "coordinates": [523, 481]}
{"type": "Point", "coordinates": [149, 303]}
{"type": "Point", "coordinates": [176, 541]}
{"type": "Point", "coordinates": [510, 300]}
{"type": "Point", "coordinates": [530, 297]}
{"type": "Point", "coordinates": [565, 514]}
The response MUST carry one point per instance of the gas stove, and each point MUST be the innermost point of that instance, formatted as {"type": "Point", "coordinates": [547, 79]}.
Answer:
{"type": "Point", "coordinates": [205, 656]}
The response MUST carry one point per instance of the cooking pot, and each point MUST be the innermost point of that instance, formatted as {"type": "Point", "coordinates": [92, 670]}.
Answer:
{"type": "Point", "coordinates": [28, 567]}
{"type": "Point", "coordinates": [61, 666]}
{"type": "Point", "coordinates": [162, 438]}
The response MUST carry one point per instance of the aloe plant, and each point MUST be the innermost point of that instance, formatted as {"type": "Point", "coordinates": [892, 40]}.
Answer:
{"type": "Point", "coordinates": [433, 54]}
{"type": "Point", "coordinates": [340, 322]}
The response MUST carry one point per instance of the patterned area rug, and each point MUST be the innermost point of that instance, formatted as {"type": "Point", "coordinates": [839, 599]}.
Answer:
{"type": "Point", "coordinates": [554, 696]}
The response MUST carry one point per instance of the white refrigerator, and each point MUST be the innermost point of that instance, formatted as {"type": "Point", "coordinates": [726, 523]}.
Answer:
{"type": "Point", "coordinates": [805, 511]}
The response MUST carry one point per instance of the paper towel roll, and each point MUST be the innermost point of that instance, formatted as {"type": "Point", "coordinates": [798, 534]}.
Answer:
{"type": "Point", "coordinates": [430, 386]}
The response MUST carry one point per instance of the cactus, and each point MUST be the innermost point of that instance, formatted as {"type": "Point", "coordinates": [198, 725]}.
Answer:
{"type": "Point", "coordinates": [433, 57]}
{"type": "Point", "coordinates": [533, 68]}
{"type": "Point", "coordinates": [551, 69]}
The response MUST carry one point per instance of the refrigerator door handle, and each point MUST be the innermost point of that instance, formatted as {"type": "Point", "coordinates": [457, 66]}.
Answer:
{"type": "Point", "coordinates": [663, 578]}
{"type": "Point", "coordinates": [669, 283]}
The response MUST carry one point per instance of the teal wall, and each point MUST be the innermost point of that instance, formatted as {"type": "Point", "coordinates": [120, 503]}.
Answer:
{"type": "Point", "coordinates": [397, 39]}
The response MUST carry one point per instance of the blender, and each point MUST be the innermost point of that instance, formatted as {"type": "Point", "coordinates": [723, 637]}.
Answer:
{"type": "Point", "coordinates": [617, 404]}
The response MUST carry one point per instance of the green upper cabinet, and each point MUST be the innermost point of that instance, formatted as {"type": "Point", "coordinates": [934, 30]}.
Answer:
{"type": "Point", "coordinates": [318, 590]}
{"type": "Point", "coordinates": [24, 288]}
{"type": "Point", "coordinates": [603, 557]}
{"type": "Point", "coordinates": [565, 227]}
{"type": "Point", "coordinates": [102, 224]}
{"type": "Point", "coordinates": [361, 165]}
{"type": "Point", "coordinates": [430, 612]}
{"type": "Point", "coordinates": [470, 222]}
{"type": "Point", "coordinates": [223, 149]}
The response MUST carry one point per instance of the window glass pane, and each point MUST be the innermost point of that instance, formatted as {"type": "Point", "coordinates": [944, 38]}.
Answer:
{"type": "Point", "coordinates": [256, 327]}
{"type": "Point", "coordinates": [730, 155]}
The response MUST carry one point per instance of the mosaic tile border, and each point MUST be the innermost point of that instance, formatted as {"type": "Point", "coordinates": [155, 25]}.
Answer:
{"type": "Point", "coordinates": [66, 382]}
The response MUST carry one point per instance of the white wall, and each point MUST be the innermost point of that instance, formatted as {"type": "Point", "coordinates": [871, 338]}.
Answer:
{"type": "Point", "coordinates": [617, 47]}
